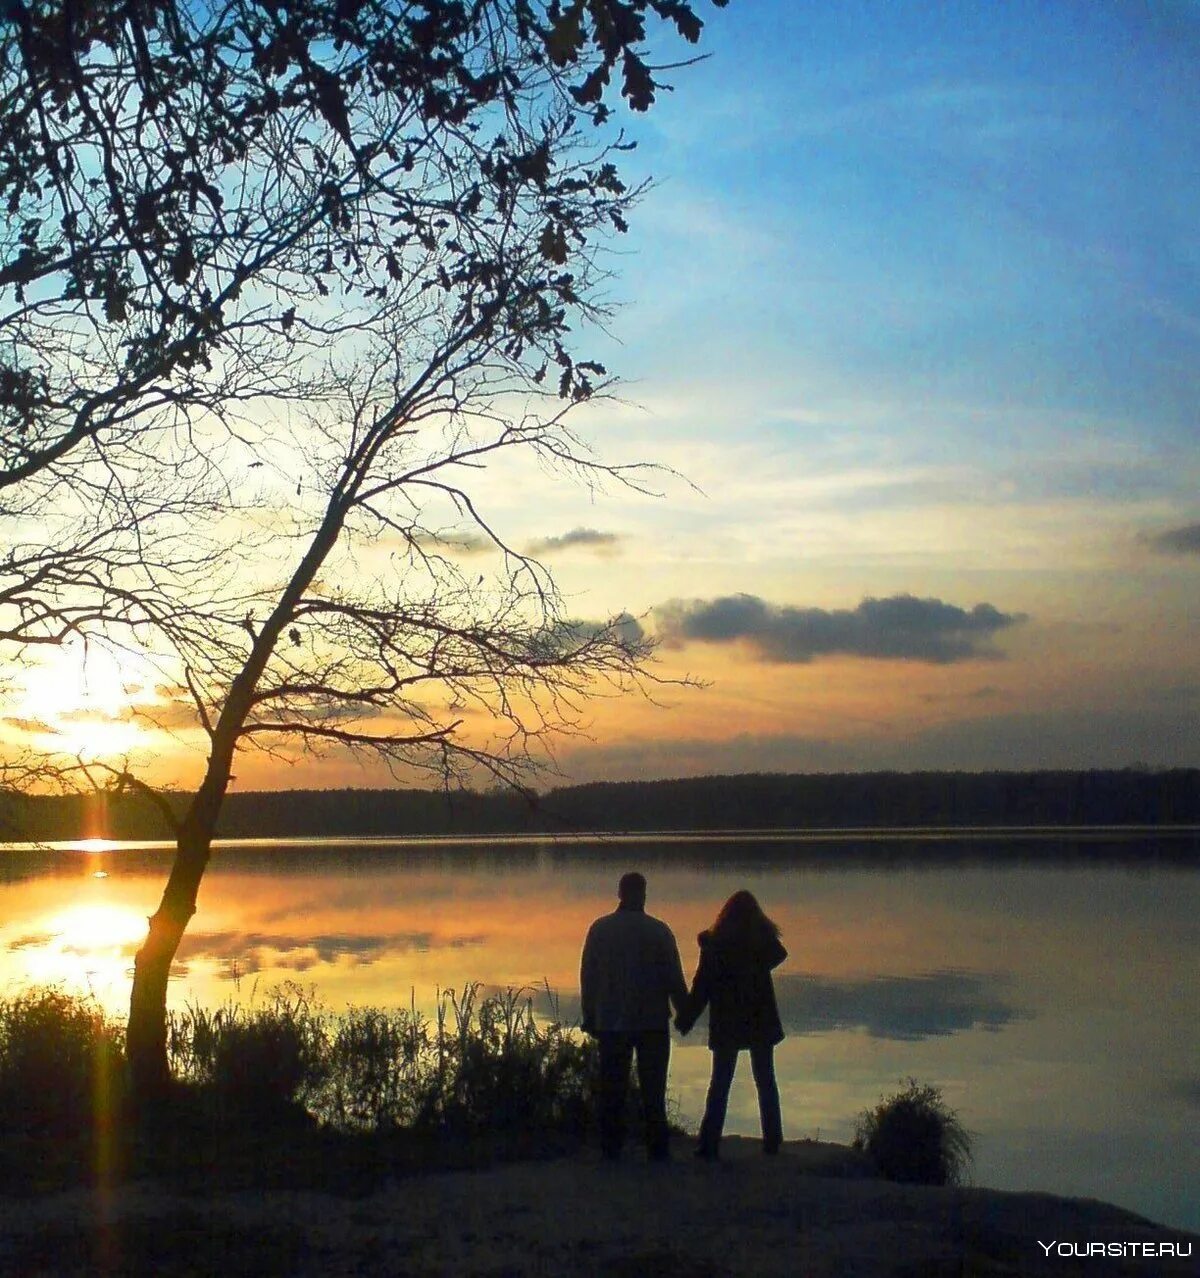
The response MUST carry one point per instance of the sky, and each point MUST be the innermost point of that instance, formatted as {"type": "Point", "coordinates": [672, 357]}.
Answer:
{"type": "Point", "coordinates": [911, 314]}
{"type": "Point", "coordinates": [915, 305]}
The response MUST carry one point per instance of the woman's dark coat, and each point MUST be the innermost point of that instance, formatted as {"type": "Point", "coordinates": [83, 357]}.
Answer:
{"type": "Point", "coordinates": [734, 981]}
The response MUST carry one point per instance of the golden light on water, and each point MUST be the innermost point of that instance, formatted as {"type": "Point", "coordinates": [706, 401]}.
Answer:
{"type": "Point", "coordinates": [97, 927]}
{"type": "Point", "coordinates": [87, 947]}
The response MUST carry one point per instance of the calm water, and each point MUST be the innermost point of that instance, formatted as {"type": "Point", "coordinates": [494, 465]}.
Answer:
{"type": "Point", "coordinates": [1052, 997]}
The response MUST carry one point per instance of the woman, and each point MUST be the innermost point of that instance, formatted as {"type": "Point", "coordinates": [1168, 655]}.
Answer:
{"type": "Point", "coordinates": [737, 955]}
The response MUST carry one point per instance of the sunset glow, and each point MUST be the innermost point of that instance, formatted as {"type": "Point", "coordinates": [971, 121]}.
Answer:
{"type": "Point", "coordinates": [912, 318]}
{"type": "Point", "coordinates": [78, 701]}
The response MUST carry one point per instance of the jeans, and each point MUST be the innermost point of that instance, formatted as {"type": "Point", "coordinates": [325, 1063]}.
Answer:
{"type": "Point", "coordinates": [724, 1063]}
{"type": "Point", "coordinates": [653, 1050]}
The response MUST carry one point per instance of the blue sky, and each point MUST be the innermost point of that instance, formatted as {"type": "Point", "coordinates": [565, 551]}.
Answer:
{"type": "Point", "coordinates": [915, 302]}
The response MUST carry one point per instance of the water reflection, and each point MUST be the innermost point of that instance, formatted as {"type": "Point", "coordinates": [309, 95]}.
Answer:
{"type": "Point", "coordinates": [1051, 995]}
{"type": "Point", "coordinates": [85, 945]}
{"type": "Point", "coordinates": [905, 1008]}
{"type": "Point", "coordinates": [246, 953]}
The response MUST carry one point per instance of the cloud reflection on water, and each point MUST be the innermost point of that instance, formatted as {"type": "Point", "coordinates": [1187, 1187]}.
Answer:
{"type": "Point", "coordinates": [904, 1008]}
{"type": "Point", "coordinates": [244, 953]}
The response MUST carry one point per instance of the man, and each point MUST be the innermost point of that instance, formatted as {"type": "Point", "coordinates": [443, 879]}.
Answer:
{"type": "Point", "coordinates": [629, 972]}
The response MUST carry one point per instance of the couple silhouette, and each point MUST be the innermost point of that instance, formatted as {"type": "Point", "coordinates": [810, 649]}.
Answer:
{"type": "Point", "coordinates": [629, 978]}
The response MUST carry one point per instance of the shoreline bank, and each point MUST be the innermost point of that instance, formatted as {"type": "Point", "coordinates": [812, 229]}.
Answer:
{"type": "Point", "coordinates": [812, 1211]}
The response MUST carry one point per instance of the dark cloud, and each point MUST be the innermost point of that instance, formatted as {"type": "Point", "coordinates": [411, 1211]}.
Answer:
{"type": "Point", "coordinates": [901, 628]}
{"type": "Point", "coordinates": [561, 1006]}
{"type": "Point", "coordinates": [907, 1008]}
{"type": "Point", "coordinates": [904, 1008]}
{"type": "Point", "coordinates": [603, 543]}
{"type": "Point", "coordinates": [567, 635]}
{"type": "Point", "coordinates": [1184, 540]}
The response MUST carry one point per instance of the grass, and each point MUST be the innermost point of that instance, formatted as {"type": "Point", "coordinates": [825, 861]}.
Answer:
{"type": "Point", "coordinates": [286, 1093]}
{"type": "Point", "coordinates": [913, 1136]}
{"type": "Point", "coordinates": [480, 1063]}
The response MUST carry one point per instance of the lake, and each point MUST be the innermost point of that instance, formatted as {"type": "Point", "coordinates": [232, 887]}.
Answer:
{"type": "Point", "coordinates": [1047, 984]}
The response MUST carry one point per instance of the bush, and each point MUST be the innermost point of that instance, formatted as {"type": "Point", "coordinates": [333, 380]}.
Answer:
{"type": "Point", "coordinates": [61, 1062]}
{"type": "Point", "coordinates": [913, 1136]}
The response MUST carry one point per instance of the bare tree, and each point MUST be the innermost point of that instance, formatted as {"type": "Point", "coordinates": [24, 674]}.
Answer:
{"type": "Point", "coordinates": [279, 281]}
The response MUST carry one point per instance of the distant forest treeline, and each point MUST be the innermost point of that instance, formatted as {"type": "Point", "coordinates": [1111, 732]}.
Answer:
{"type": "Point", "coordinates": [757, 801]}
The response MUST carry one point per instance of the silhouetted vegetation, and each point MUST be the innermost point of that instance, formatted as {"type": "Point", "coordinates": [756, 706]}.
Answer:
{"type": "Point", "coordinates": [254, 1062]}
{"type": "Point", "coordinates": [914, 1137]}
{"type": "Point", "coordinates": [479, 1063]}
{"type": "Point", "coordinates": [288, 1093]}
{"type": "Point", "coordinates": [754, 801]}
{"type": "Point", "coordinates": [61, 1062]}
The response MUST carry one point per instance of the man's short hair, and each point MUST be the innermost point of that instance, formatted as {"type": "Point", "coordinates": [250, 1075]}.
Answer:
{"type": "Point", "coordinates": [632, 887]}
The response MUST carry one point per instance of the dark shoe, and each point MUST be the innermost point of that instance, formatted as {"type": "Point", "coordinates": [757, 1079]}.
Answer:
{"type": "Point", "coordinates": [771, 1150]}
{"type": "Point", "coordinates": [658, 1155]}
{"type": "Point", "coordinates": [706, 1152]}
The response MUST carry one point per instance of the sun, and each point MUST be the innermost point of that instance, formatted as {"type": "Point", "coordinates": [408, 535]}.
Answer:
{"type": "Point", "coordinates": [95, 845]}
{"type": "Point", "coordinates": [79, 701]}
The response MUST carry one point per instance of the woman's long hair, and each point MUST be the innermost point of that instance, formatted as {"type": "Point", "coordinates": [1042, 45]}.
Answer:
{"type": "Point", "coordinates": [742, 919]}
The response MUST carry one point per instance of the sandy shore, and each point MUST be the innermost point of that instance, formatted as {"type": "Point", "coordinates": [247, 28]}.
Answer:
{"type": "Point", "coordinates": [812, 1211]}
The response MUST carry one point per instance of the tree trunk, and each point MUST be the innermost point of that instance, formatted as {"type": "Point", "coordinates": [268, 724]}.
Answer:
{"type": "Point", "coordinates": [146, 1039]}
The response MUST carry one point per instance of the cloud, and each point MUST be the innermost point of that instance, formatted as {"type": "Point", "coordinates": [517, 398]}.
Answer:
{"type": "Point", "coordinates": [461, 543]}
{"type": "Point", "coordinates": [31, 941]}
{"type": "Point", "coordinates": [624, 629]}
{"type": "Point", "coordinates": [159, 714]}
{"type": "Point", "coordinates": [562, 1006]}
{"type": "Point", "coordinates": [906, 1008]}
{"type": "Point", "coordinates": [27, 725]}
{"type": "Point", "coordinates": [601, 543]}
{"type": "Point", "coordinates": [901, 628]}
{"type": "Point", "coordinates": [1184, 540]}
